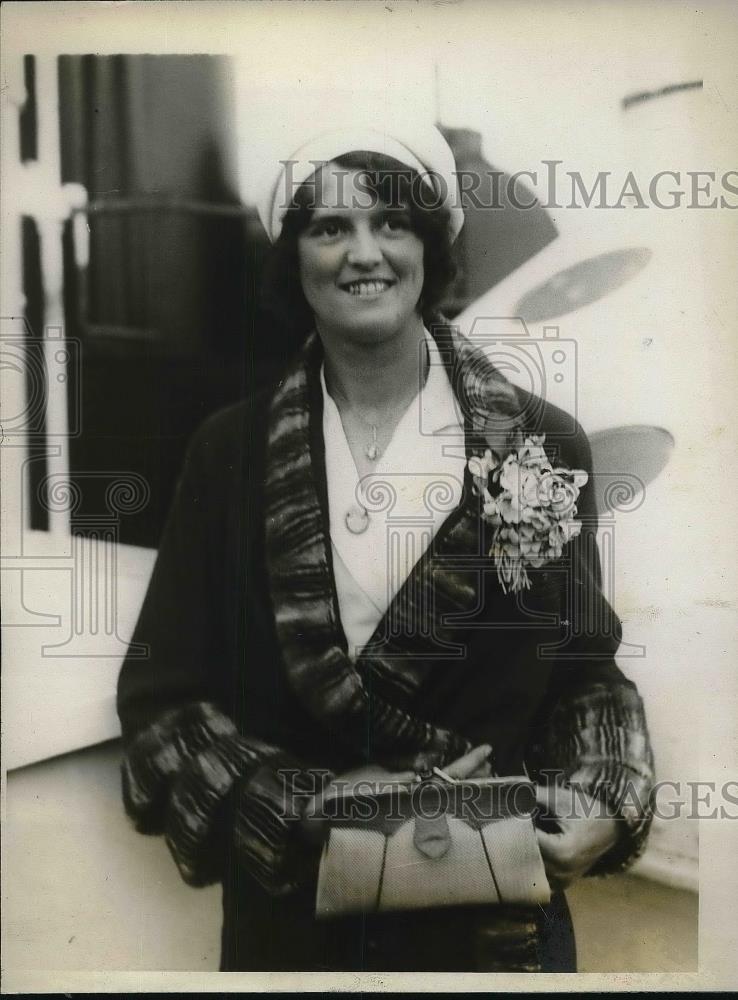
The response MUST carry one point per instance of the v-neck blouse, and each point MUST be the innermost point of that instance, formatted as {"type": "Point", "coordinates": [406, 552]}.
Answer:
{"type": "Point", "coordinates": [416, 483]}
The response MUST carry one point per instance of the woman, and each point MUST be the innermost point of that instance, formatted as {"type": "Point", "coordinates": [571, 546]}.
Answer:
{"type": "Point", "coordinates": [312, 616]}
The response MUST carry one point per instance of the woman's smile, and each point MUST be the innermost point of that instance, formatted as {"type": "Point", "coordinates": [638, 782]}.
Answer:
{"type": "Point", "coordinates": [368, 289]}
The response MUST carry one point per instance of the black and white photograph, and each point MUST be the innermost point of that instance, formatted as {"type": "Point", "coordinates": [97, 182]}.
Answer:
{"type": "Point", "coordinates": [368, 449]}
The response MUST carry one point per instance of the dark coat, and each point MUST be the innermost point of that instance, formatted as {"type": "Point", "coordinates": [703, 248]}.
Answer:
{"type": "Point", "coordinates": [214, 691]}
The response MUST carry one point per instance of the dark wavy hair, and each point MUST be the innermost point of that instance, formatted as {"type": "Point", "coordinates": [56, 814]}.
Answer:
{"type": "Point", "coordinates": [394, 184]}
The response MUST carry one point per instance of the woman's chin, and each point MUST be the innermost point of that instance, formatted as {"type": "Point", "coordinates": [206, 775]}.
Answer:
{"type": "Point", "coordinates": [374, 326]}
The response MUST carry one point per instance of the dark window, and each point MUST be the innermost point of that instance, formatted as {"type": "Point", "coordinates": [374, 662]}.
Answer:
{"type": "Point", "coordinates": [165, 311]}
{"type": "Point", "coordinates": [28, 120]}
{"type": "Point", "coordinates": [36, 378]}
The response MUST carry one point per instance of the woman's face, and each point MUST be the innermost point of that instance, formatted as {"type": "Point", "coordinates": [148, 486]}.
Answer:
{"type": "Point", "coordinates": [361, 265]}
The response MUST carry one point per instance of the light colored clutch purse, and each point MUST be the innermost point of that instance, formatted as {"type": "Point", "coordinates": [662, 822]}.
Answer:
{"type": "Point", "coordinates": [439, 843]}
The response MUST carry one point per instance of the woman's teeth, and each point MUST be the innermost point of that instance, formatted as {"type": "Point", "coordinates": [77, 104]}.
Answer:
{"type": "Point", "coordinates": [365, 288]}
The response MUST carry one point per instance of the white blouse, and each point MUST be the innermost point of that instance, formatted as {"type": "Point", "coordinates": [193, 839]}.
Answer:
{"type": "Point", "coordinates": [415, 485]}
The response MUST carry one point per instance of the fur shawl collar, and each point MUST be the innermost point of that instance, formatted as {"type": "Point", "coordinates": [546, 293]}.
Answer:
{"type": "Point", "coordinates": [366, 703]}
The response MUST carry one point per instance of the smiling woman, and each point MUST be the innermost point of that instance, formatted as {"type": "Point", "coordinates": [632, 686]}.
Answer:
{"type": "Point", "coordinates": [362, 272]}
{"type": "Point", "coordinates": [324, 618]}
{"type": "Point", "coordinates": [377, 193]}
{"type": "Point", "coordinates": [361, 267]}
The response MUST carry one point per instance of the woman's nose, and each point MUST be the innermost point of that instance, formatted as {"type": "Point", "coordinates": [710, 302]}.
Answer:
{"type": "Point", "coordinates": [364, 249]}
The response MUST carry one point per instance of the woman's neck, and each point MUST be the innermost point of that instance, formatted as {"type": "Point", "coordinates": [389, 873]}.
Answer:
{"type": "Point", "coordinates": [377, 377]}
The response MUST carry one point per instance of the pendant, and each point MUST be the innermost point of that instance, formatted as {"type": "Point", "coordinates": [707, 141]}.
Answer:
{"type": "Point", "coordinates": [372, 450]}
{"type": "Point", "coordinates": [357, 519]}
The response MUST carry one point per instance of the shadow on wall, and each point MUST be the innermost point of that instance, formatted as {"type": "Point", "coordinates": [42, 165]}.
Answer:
{"type": "Point", "coordinates": [494, 241]}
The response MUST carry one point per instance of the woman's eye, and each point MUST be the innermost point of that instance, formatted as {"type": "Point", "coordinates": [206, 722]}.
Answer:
{"type": "Point", "coordinates": [330, 228]}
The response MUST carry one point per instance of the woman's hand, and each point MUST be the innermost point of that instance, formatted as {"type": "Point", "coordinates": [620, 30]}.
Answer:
{"type": "Point", "coordinates": [583, 834]}
{"type": "Point", "coordinates": [373, 778]}
{"type": "Point", "coordinates": [475, 764]}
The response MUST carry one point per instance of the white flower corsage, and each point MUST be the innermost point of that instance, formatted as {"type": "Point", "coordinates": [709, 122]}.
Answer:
{"type": "Point", "coordinates": [531, 505]}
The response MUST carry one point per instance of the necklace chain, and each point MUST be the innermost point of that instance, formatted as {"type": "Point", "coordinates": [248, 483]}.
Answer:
{"type": "Point", "coordinates": [371, 449]}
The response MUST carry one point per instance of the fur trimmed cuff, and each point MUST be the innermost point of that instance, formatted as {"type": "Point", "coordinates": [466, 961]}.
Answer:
{"type": "Point", "coordinates": [156, 756]}
{"type": "Point", "coordinates": [599, 739]}
{"type": "Point", "coordinates": [267, 813]}
{"type": "Point", "coordinates": [192, 777]}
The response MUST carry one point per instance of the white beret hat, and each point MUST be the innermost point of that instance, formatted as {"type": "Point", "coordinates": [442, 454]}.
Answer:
{"type": "Point", "coordinates": [420, 147]}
